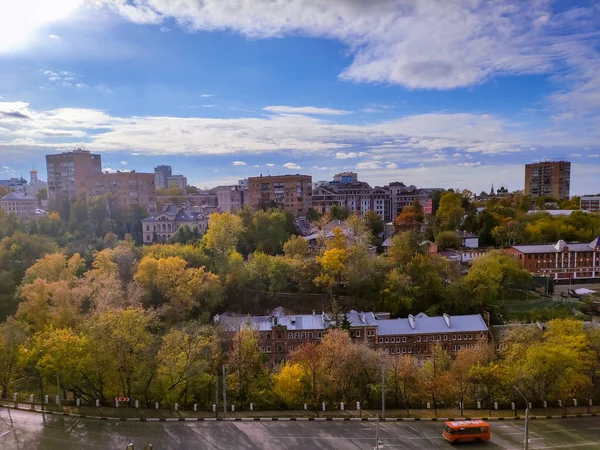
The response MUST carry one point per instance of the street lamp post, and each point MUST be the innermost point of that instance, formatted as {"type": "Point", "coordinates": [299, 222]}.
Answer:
{"type": "Point", "coordinates": [526, 447]}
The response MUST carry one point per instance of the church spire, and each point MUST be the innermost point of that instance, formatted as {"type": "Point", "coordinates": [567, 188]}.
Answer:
{"type": "Point", "coordinates": [492, 193]}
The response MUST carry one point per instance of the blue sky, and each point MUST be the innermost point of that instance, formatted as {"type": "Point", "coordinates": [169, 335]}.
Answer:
{"type": "Point", "coordinates": [435, 93]}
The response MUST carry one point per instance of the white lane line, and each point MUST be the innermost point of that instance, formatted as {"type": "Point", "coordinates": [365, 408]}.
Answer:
{"type": "Point", "coordinates": [587, 444]}
{"type": "Point", "coordinates": [561, 431]}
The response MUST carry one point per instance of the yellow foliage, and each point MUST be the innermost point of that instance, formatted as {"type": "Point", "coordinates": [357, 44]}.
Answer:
{"type": "Point", "coordinates": [288, 383]}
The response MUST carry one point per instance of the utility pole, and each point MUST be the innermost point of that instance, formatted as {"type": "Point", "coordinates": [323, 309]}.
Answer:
{"type": "Point", "coordinates": [383, 391]}
{"type": "Point", "coordinates": [58, 390]}
{"type": "Point", "coordinates": [526, 446]}
{"type": "Point", "coordinates": [217, 395]}
{"type": "Point", "coordinates": [224, 393]}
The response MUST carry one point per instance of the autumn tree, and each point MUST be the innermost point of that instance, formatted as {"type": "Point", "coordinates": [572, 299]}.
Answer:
{"type": "Point", "coordinates": [402, 380]}
{"type": "Point", "coordinates": [246, 368]}
{"type": "Point", "coordinates": [222, 238]}
{"type": "Point", "coordinates": [295, 246]}
{"type": "Point", "coordinates": [461, 367]}
{"type": "Point", "coordinates": [446, 240]}
{"type": "Point", "coordinates": [12, 336]}
{"type": "Point", "coordinates": [450, 213]}
{"type": "Point", "coordinates": [434, 375]}
{"type": "Point", "coordinates": [289, 383]}
{"type": "Point", "coordinates": [374, 222]}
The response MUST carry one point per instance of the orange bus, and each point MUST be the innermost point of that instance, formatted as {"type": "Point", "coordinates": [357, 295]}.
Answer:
{"type": "Point", "coordinates": [466, 431]}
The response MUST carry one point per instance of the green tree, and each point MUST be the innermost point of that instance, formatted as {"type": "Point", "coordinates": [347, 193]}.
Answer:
{"type": "Point", "coordinates": [447, 240]}
{"type": "Point", "coordinates": [374, 222]}
{"type": "Point", "coordinates": [450, 214]}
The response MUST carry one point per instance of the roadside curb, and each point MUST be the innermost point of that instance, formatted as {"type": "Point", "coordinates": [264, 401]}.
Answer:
{"type": "Point", "coordinates": [305, 419]}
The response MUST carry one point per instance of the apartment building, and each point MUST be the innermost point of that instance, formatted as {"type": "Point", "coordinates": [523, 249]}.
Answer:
{"type": "Point", "coordinates": [548, 178]}
{"type": "Point", "coordinates": [561, 260]}
{"type": "Point", "coordinates": [18, 203]}
{"type": "Point", "coordinates": [402, 195]}
{"type": "Point", "coordinates": [280, 334]}
{"type": "Point", "coordinates": [356, 196]}
{"type": "Point", "coordinates": [159, 227]}
{"type": "Point", "coordinates": [291, 192]}
{"type": "Point", "coordinates": [230, 198]}
{"type": "Point", "coordinates": [67, 172]}
{"type": "Point", "coordinates": [590, 203]}
{"type": "Point", "coordinates": [161, 176]}
{"type": "Point", "coordinates": [131, 188]}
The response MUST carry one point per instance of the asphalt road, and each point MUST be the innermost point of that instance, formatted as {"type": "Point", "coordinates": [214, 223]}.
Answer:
{"type": "Point", "coordinates": [28, 431]}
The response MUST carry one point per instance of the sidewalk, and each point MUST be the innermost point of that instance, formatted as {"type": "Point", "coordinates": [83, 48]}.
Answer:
{"type": "Point", "coordinates": [129, 413]}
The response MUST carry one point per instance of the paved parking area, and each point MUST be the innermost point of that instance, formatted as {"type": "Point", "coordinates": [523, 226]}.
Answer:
{"type": "Point", "coordinates": [25, 431]}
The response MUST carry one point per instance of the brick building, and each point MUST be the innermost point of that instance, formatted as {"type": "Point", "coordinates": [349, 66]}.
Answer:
{"type": "Point", "coordinates": [549, 178]}
{"type": "Point", "coordinates": [280, 334]}
{"type": "Point", "coordinates": [291, 192]}
{"type": "Point", "coordinates": [560, 260]}
{"type": "Point", "coordinates": [67, 172]}
{"type": "Point", "coordinates": [131, 188]}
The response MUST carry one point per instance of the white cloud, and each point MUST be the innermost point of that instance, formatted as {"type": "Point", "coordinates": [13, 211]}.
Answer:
{"type": "Point", "coordinates": [371, 165]}
{"type": "Point", "coordinates": [391, 165]}
{"type": "Point", "coordinates": [54, 36]}
{"type": "Point", "coordinates": [311, 110]}
{"type": "Point", "coordinates": [270, 165]}
{"type": "Point", "coordinates": [349, 155]}
{"type": "Point", "coordinates": [292, 166]}
{"type": "Point", "coordinates": [207, 95]}
{"type": "Point", "coordinates": [124, 163]}
{"type": "Point", "coordinates": [238, 163]}
{"type": "Point", "coordinates": [208, 106]}
{"type": "Point", "coordinates": [469, 164]}
{"type": "Point", "coordinates": [576, 155]}
{"type": "Point", "coordinates": [593, 156]}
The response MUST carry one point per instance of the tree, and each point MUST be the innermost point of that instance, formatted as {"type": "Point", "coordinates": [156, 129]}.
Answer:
{"type": "Point", "coordinates": [450, 214]}
{"type": "Point", "coordinates": [333, 269]}
{"type": "Point", "coordinates": [222, 237]}
{"type": "Point", "coordinates": [339, 212]}
{"type": "Point", "coordinates": [403, 380]}
{"type": "Point", "coordinates": [183, 288]}
{"type": "Point", "coordinates": [289, 383]}
{"type": "Point", "coordinates": [489, 381]}
{"type": "Point", "coordinates": [183, 361]}
{"type": "Point", "coordinates": [295, 246]}
{"type": "Point", "coordinates": [246, 366]}
{"type": "Point", "coordinates": [461, 369]}
{"type": "Point", "coordinates": [12, 336]}
{"type": "Point", "coordinates": [447, 240]}
{"type": "Point", "coordinates": [509, 234]}
{"type": "Point", "coordinates": [405, 246]}
{"type": "Point", "coordinates": [434, 374]}
{"type": "Point", "coordinates": [374, 222]}
{"type": "Point", "coordinates": [124, 349]}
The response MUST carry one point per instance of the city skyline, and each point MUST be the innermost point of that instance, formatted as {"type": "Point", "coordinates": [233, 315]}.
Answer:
{"type": "Point", "coordinates": [399, 91]}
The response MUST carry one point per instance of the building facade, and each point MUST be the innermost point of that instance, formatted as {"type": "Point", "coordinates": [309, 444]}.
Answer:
{"type": "Point", "coordinates": [34, 186]}
{"type": "Point", "coordinates": [159, 227]}
{"type": "Point", "coordinates": [14, 184]}
{"type": "Point", "coordinates": [67, 172]}
{"type": "Point", "coordinates": [19, 203]}
{"type": "Point", "coordinates": [590, 203]}
{"type": "Point", "coordinates": [230, 198]}
{"type": "Point", "coordinates": [161, 176]}
{"type": "Point", "coordinates": [131, 188]}
{"type": "Point", "coordinates": [550, 178]}
{"type": "Point", "coordinates": [177, 181]}
{"type": "Point", "coordinates": [291, 192]}
{"type": "Point", "coordinates": [402, 195]}
{"type": "Point", "coordinates": [560, 260]}
{"type": "Point", "coordinates": [280, 334]}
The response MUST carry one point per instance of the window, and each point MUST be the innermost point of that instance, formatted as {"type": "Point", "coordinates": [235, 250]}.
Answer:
{"type": "Point", "coordinates": [297, 347]}
{"type": "Point", "coordinates": [409, 349]}
{"type": "Point", "coordinates": [403, 349]}
{"type": "Point", "coordinates": [279, 348]}
{"type": "Point", "coordinates": [358, 334]}
{"type": "Point", "coordinates": [268, 336]}
{"type": "Point", "coordinates": [424, 349]}
{"type": "Point", "coordinates": [290, 335]}
{"type": "Point", "coordinates": [418, 338]}
{"type": "Point", "coordinates": [310, 335]}
{"type": "Point", "coordinates": [431, 338]}
{"type": "Point", "coordinates": [303, 335]}
{"type": "Point", "coordinates": [403, 338]}
{"type": "Point", "coordinates": [439, 338]}
{"type": "Point", "coordinates": [279, 335]}
{"type": "Point", "coordinates": [458, 347]}
{"type": "Point", "coordinates": [444, 348]}
{"type": "Point", "coordinates": [268, 349]}
{"type": "Point", "coordinates": [387, 340]}
{"type": "Point", "coordinates": [319, 335]}
{"type": "Point", "coordinates": [297, 335]}
{"type": "Point", "coordinates": [470, 336]}
{"type": "Point", "coordinates": [392, 340]}
{"type": "Point", "coordinates": [290, 348]}
{"type": "Point", "coordinates": [262, 349]}
{"type": "Point", "coordinates": [453, 337]}
{"type": "Point", "coordinates": [418, 349]}
{"type": "Point", "coordinates": [445, 337]}
{"type": "Point", "coordinates": [381, 340]}
{"type": "Point", "coordinates": [454, 348]}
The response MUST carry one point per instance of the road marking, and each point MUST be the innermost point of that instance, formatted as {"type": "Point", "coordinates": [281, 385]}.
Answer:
{"type": "Point", "coordinates": [560, 431]}
{"type": "Point", "coordinates": [569, 445]}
